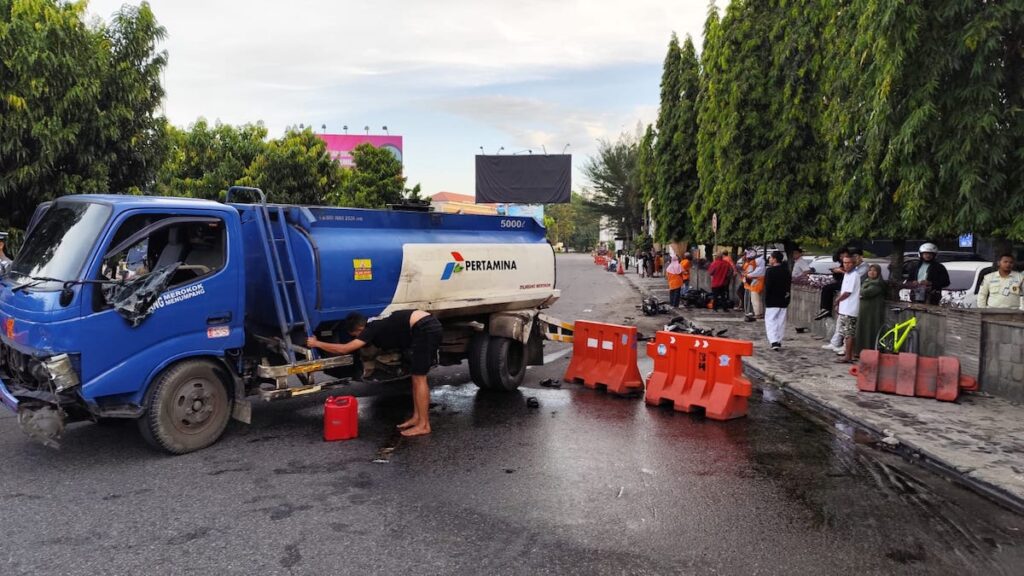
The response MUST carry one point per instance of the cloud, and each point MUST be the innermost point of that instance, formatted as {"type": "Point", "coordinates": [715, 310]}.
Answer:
{"type": "Point", "coordinates": [242, 61]}
{"type": "Point", "coordinates": [447, 74]}
{"type": "Point", "coordinates": [531, 123]}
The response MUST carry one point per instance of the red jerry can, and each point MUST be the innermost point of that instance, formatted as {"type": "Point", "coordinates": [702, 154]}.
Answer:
{"type": "Point", "coordinates": [341, 418]}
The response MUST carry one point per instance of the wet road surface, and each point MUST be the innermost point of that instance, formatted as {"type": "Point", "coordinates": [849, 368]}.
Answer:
{"type": "Point", "coordinates": [584, 484]}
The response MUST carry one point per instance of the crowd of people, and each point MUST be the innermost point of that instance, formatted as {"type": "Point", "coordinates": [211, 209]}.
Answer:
{"type": "Point", "coordinates": [858, 293]}
{"type": "Point", "coordinates": [856, 297]}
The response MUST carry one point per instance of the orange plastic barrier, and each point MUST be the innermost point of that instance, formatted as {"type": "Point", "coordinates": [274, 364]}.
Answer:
{"type": "Point", "coordinates": [907, 374]}
{"type": "Point", "coordinates": [604, 355]}
{"type": "Point", "coordinates": [699, 372]}
{"type": "Point", "coordinates": [601, 260]}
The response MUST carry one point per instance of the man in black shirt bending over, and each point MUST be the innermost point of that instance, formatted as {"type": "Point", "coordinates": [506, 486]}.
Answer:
{"type": "Point", "coordinates": [413, 330]}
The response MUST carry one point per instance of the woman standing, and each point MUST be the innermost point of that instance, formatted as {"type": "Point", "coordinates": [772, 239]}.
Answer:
{"type": "Point", "coordinates": [872, 310]}
{"type": "Point", "coordinates": [674, 274]}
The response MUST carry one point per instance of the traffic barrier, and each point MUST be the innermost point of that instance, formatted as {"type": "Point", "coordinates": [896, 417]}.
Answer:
{"type": "Point", "coordinates": [604, 355]}
{"type": "Point", "coordinates": [906, 374]}
{"type": "Point", "coordinates": [621, 268]}
{"type": "Point", "coordinates": [699, 372]}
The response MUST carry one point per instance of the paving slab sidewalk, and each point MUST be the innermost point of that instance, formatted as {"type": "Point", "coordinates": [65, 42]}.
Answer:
{"type": "Point", "coordinates": [978, 440]}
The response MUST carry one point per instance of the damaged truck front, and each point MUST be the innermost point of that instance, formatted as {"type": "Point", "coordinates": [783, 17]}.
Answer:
{"type": "Point", "coordinates": [178, 312]}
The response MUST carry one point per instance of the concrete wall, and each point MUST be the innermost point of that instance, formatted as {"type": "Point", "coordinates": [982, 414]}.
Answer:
{"type": "Point", "coordinates": [1003, 370]}
{"type": "Point", "coordinates": [989, 343]}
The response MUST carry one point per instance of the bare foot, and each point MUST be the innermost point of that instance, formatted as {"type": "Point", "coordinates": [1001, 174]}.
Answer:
{"type": "Point", "coordinates": [419, 430]}
{"type": "Point", "coordinates": [407, 424]}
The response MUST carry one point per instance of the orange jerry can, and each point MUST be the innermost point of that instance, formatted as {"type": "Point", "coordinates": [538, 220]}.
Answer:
{"type": "Point", "coordinates": [341, 418]}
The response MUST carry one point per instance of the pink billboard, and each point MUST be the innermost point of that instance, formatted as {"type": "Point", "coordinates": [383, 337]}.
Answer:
{"type": "Point", "coordinates": [340, 146]}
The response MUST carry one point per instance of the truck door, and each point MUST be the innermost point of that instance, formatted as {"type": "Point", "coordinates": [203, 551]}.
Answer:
{"type": "Point", "coordinates": [199, 313]}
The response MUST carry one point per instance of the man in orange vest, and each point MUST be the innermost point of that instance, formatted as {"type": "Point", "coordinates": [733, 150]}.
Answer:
{"type": "Point", "coordinates": [686, 265]}
{"type": "Point", "coordinates": [753, 282]}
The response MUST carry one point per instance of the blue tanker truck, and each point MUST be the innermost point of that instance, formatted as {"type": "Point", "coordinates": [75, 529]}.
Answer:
{"type": "Point", "coordinates": [179, 313]}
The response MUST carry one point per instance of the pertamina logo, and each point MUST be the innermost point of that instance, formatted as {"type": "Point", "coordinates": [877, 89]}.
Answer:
{"type": "Point", "coordinates": [461, 264]}
{"type": "Point", "coordinates": [453, 267]}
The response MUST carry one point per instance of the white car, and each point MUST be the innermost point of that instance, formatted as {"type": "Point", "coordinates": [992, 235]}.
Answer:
{"type": "Point", "coordinates": [821, 264]}
{"type": "Point", "coordinates": [964, 283]}
{"type": "Point", "coordinates": [825, 264]}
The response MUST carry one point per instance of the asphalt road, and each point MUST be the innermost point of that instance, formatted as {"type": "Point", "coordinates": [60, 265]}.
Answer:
{"type": "Point", "coordinates": [584, 484]}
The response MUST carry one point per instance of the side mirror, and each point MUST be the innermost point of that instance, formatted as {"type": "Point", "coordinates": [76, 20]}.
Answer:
{"type": "Point", "coordinates": [66, 295]}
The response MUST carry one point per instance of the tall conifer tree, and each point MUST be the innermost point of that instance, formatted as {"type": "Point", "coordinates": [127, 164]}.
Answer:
{"type": "Point", "coordinates": [676, 145]}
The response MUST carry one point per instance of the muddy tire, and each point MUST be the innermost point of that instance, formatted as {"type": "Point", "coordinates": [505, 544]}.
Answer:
{"type": "Point", "coordinates": [187, 408]}
{"type": "Point", "coordinates": [506, 363]}
{"type": "Point", "coordinates": [478, 348]}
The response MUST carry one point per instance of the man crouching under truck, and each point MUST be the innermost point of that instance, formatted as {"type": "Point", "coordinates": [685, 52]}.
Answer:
{"type": "Point", "coordinates": [413, 330]}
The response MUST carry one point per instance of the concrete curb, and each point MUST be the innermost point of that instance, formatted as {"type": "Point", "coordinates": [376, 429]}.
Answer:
{"type": "Point", "coordinates": [908, 449]}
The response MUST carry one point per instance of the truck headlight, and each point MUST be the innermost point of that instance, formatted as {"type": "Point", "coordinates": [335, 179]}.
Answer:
{"type": "Point", "coordinates": [61, 372]}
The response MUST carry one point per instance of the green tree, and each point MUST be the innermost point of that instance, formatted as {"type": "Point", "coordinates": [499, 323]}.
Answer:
{"type": "Point", "coordinates": [560, 221]}
{"type": "Point", "coordinates": [204, 161]}
{"type": "Point", "coordinates": [50, 84]}
{"type": "Point", "coordinates": [583, 227]}
{"type": "Point", "coordinates": [947, 96]}
{"type": "Point", "coordinates": [646, 165]}
{"type": "Point", "coordinates": [790, 199]}
{"type": "Point", "coordinates": [711, 127]}
{"type": "Point", "coordinates": [980, 151]}
{"type": "Point", "coordinates": [77, 103]}
{"type": "Point", "coordinates": [414, 193]}
{"type": "Point", "coordinates": [675, 149]}
{"type": "Point", "coordinates": [374, 181]}
{"type": "Point", "coordinates": [614, 186]}
{"type": "Point", "coordinates": [133, 132]}
{"type": "Point", "coordinates": [295, 169]}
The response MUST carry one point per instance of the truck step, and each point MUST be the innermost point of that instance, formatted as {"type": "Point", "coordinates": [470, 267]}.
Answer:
{"type": "Point", "coordinates": [291, 392]}
{"type": "Point", "coordinates": [283, 371]}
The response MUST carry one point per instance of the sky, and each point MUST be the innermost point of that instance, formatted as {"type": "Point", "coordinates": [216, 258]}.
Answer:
{"type": "Point", "coordinates": [450, 76]}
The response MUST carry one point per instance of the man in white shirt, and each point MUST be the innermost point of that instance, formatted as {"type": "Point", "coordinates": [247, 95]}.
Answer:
{"type": "Point", "coordinates": [1002, 288]}
{"type": "Point", "coordinates": [849, 307]}
{"type": "Point", "coordinates": [801, 267]}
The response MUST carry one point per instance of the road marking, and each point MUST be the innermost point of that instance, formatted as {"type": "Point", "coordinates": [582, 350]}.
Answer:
{"type": "Point", "coordinates": [556, 355]}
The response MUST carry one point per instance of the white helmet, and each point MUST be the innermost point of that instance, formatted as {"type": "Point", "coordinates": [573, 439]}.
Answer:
{"type": "Point", "coordinates": [928, 247]}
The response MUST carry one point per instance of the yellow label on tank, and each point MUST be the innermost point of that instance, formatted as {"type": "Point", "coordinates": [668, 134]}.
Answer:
{"type": "Point", "coordinates": [363, 268]}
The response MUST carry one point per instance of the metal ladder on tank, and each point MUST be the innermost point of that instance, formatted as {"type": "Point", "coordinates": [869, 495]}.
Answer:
{"type": "Point", "coordinates": [287, 290]}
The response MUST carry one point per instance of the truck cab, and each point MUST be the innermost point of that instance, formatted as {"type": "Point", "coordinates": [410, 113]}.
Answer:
{"type": "Point", "coordinates": [58, 317]}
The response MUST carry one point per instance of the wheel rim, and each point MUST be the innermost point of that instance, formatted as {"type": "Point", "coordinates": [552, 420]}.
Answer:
{"type": "Point", "coordinates": [194, 404]}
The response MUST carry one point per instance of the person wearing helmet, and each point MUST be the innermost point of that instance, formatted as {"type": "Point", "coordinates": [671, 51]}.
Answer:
{"type": "Point", "coordinates": [927, 276]}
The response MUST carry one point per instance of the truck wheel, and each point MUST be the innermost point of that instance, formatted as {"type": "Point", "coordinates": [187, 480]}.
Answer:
{"type": "Point", "coordinates": [478, 348]}
{"type": "Point", "coordinates": [506, 363]}
{"type": "Point", "coordinates": [187, 408]}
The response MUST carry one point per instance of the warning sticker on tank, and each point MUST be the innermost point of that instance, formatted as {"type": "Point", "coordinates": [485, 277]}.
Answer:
{"type": "Point", "coordinates": [363, 268]}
